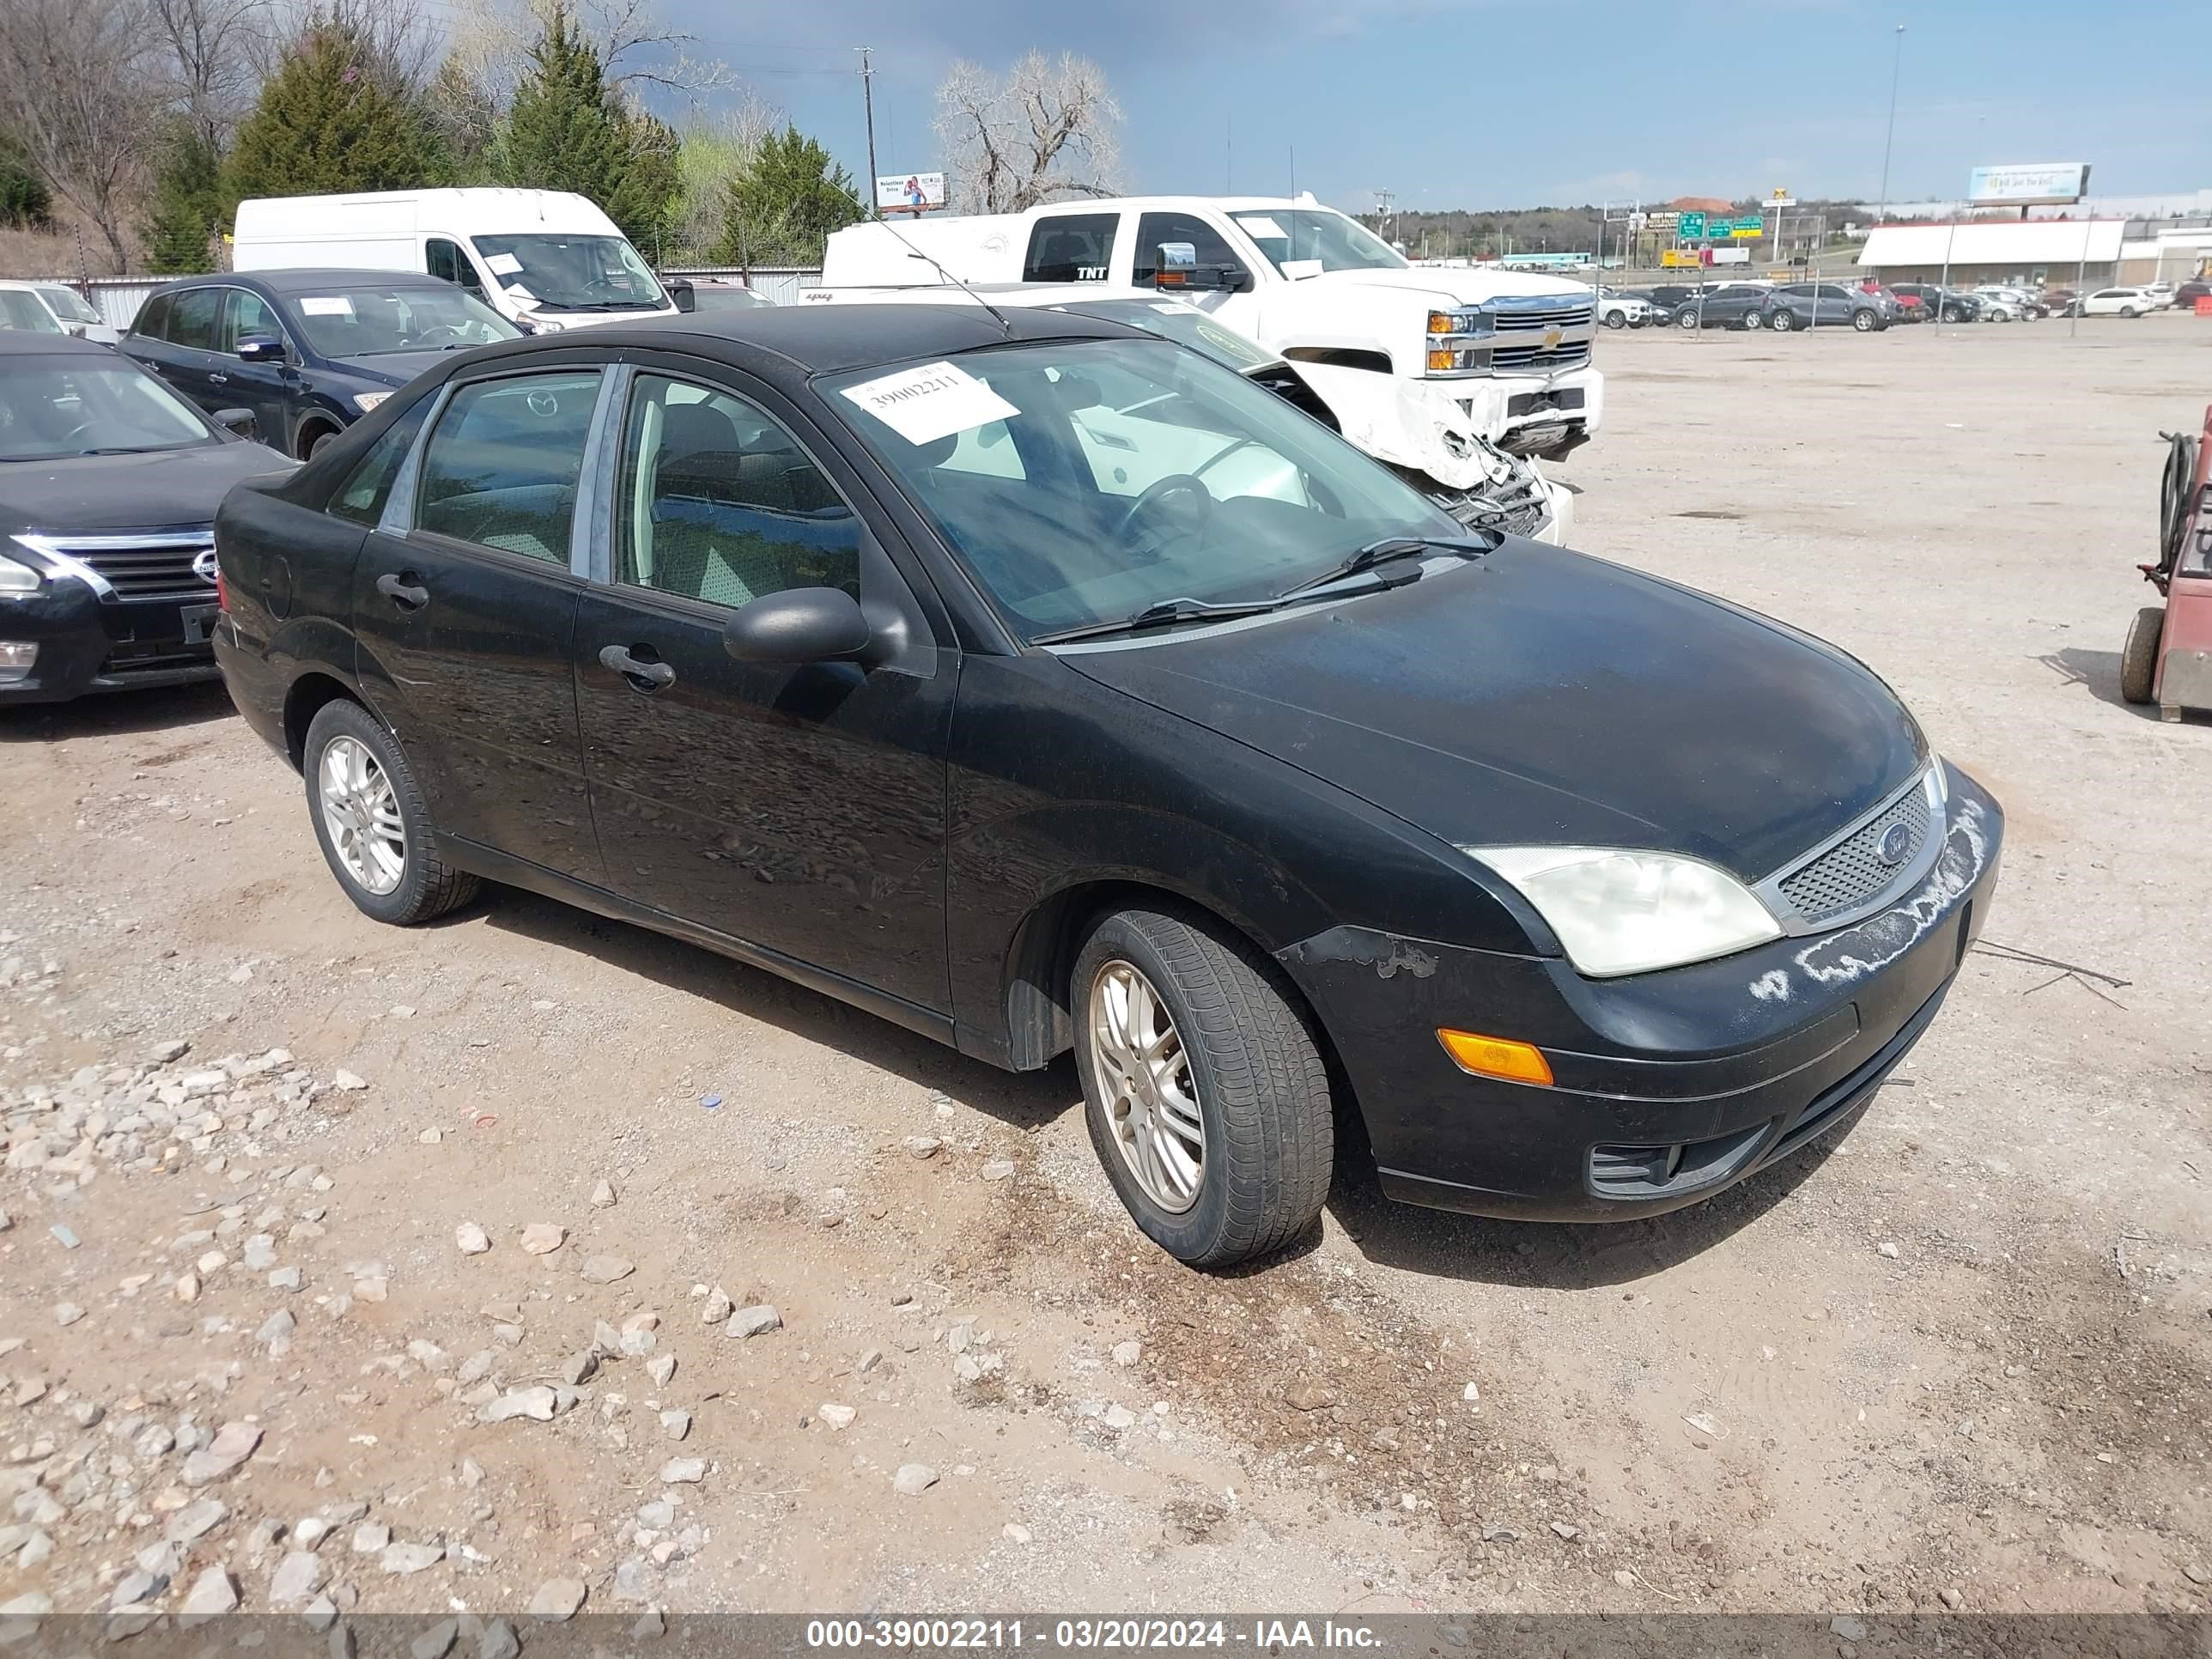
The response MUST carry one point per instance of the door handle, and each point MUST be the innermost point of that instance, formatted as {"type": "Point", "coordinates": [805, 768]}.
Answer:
{"type": "Point", "coordinates": [398, 589]}
{"type": "Point", "coordinates": [220, 380]}
{"type": "Point", "coordinates": [643, 675]}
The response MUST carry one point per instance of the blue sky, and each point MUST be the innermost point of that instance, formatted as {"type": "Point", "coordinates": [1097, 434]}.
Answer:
{"type": "Point", "coordinates": [1512, 104]}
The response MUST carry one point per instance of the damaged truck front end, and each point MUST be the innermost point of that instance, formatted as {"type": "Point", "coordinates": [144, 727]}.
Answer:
{"type": "Point", "coordinates": [1519, 365]}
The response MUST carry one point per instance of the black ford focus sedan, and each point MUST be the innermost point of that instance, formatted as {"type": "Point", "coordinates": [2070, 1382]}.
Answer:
{"type": "Point", "coordinates": [1042, 686]}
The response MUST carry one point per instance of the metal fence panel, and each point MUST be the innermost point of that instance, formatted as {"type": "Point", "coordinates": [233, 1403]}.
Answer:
{"type": "Point", "coordinates": [780, 284]}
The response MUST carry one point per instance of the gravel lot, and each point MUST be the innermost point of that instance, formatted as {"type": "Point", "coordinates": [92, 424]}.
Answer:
{"type": "Point", "coordinates": [249, 1343]}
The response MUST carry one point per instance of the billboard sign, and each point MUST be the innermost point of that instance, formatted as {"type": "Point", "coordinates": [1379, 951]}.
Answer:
{"type": "Point", "coordinates": [2035, 184]}
{"type": "Point", "coordinates": [909, 192]}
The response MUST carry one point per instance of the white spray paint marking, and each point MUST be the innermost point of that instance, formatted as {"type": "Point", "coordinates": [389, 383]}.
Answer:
{"type": "Point", "coordinates": [1874, 944]}
{"type": "Point", "coordinates": [1772, 986]}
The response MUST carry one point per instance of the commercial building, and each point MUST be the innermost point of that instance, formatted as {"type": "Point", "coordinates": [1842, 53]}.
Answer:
{"type": "Point", "coordinates": [2069, 252]}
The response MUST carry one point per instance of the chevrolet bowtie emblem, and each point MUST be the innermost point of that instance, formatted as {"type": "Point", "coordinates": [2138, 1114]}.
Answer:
{"type": "Point", "coordinates": [1551, 338]}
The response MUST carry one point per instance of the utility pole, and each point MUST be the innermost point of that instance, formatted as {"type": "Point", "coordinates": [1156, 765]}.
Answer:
{"type": "Point", "coordinates": [1384, 219]}
{"type": "Point", "coordinates": [868, 98]}
{"type": "Point", "coordinates": [1897, 70]}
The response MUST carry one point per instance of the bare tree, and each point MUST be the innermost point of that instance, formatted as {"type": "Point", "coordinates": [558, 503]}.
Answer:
{"type": "Point", "coordinates": [489, 42]}
{"type": "Point", "coordinates": [1050, 130]}
{"type": "Point", "coordinates": [217, 47]}
{"type": "Point", "coordinates": [75, 79]}
{"type": "Point", "coordinates": [714, 151]}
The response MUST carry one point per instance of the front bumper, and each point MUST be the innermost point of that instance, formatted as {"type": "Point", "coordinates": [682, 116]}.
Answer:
{"type": "Point", "coordinates": [86, 644]}
{"type": "Point", "coordinates": [1668, 1086]}
{"type": "Point", "coordinates": [1525, 416]}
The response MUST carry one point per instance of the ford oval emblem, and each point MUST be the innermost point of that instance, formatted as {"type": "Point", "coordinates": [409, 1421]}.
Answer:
{"type": "Point", "coordinates": [1896, 841]}
{"type": "Point", "coordinates": [203, 567]}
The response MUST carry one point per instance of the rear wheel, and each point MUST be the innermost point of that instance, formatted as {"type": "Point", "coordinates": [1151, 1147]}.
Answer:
{"type": "Point", "coordinates": [1783, 321]}
{"type": "Point", "coordinates": [2139, 656]}
{"type": "Point", "coordinates": [1686, 317]}
{"type": "Point", "coordinates": [372, 821]}
{"type": "Point", "coordinates": [2127, 311]}
{"type": "Point", "coordinates": [1206, 1098]}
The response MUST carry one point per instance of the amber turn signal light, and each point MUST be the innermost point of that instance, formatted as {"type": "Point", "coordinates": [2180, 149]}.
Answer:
{"type": "Point", "coordinates": [1490, 1056]}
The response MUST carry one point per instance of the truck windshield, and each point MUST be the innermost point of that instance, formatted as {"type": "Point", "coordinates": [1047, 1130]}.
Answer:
{"type": "Point", "coordinates": [1082, 481]}
{"type": "Point", "coordinates": [68, 304]}
{"type": "Point", "coordinates": [571, 273]}
{"type": "Point", "coordinates": [52, 408]}
{"type": "Point", "coordinates": [1288, 234]}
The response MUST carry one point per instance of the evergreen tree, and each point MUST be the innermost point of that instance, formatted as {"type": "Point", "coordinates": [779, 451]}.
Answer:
{"type": "Point", "coordinates": [785, 202]}
{"type": "Point", "coordinates": [569, 130]}
{"type": "Point", "coordinates": [190, 205]}
{"type": "Point", "coordinates": [330, 119]}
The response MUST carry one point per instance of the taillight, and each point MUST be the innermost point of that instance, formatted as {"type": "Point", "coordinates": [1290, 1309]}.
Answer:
{"type": "Point", "coordinates": [222, 592]}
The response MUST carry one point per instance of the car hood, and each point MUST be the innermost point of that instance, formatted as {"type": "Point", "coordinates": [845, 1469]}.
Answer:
{"type": "Point", "coordinates": [389, 368]}
{"type": "Point", "coordinates": [1539, 696]}
{"type": "Point", "coordinates": [1467, 285]}
{"type": "Point", "coordinates": [127, 492]}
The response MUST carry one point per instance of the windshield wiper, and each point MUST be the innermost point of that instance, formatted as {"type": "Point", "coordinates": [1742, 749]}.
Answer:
{"type": "Point", "coordinates": [1382, 552]}
{"type": "Point", "coordinates": [1159, 614]}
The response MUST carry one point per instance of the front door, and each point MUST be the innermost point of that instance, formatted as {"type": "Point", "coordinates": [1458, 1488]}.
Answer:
{"type": "Point", "coordinates": [801, 808]}
{"type": "Point", "coordinates": [264, 388]}
{"type": "Point", "coordinates": [465, 605]}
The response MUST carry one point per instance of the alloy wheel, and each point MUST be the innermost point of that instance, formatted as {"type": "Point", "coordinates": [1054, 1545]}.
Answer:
{"type": "Point", "coordinates": [1145, 1083]}
{"type": "Point", "coordinates": [362, 813]}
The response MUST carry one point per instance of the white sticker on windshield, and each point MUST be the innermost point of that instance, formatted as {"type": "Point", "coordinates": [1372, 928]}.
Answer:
{"type": "Point", "coordinates": [327, 305]}
{"type": "Point", "coordinates": [502, 265]}
{"type": "Point", "coordinates": [1259, 225]}
{"type": "Point", "coordinates": [932, 402]}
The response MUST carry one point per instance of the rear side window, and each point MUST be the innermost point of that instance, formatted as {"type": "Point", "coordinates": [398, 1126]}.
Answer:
{"type": "Point", "coordinates": [502, 465]}
{"type": "Point", "coordinates": [361, 499]}
{"type": "Point", "coordinates": [153, 317]}
{"type": "Point", "coordinates": [195, 318]}
{"type": "Point", "coordinates": [1074, 247]}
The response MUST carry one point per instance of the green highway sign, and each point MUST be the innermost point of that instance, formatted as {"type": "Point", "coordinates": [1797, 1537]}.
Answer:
{"type": "Point", "coordinates": [1690, 225]}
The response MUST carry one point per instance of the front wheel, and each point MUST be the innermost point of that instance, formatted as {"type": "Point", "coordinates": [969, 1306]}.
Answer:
{"type": "Point", "coordinates": [1616, 319]}
{"type": "Point", "coordinates": [372, 821]}
{"type": "Point", "coordinates": [2139, 656]}
{"type": "Point", "coordinates": [1865, 321]}
{"type": "Point", "coordinates": [1205, 1094]}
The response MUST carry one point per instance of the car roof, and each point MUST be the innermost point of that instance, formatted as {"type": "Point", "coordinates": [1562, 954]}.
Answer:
{"type": "Point", "coordinates": [826, 339]}
{"type": "Point", "coordinates": [22, 342]}
{"type": "Point", "coordinates": [305, 282]}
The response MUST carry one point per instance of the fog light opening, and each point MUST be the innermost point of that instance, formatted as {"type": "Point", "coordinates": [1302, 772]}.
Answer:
{"type": "Point", "coordinates": [16, 657]}
{"type": "Point", "coordinates": [1499, 1057]}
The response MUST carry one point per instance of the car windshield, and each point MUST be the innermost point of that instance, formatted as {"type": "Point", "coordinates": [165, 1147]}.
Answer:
{"type": "Point", "coordinates": [370, 320]}
{"type": "Point", "coordinates": [19, 308]}
{"type": "Point", "coordinates": [1084, 480]}
{"type": "Point", "coordinates": [571, 273]}
{"type": "Point", "coordinates": [1184, 324]}
{"type": "Point", "coordinates": [51, 408]}
{"type": "Point", "coordinates": [68, 304]}
{"type": "Point", "coordinates": [710, 296]}
{"type": "Point", "coordinates": [1287, 235]}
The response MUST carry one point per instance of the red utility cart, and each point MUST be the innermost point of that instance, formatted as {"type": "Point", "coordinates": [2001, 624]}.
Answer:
{"type": "Point", "coordinates": [2168, 656]}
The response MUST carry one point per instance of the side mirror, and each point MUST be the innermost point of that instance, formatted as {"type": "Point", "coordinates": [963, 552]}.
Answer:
{"type": "Point", "coordinates": [1176, 268]}
{"type": "Point", "coordinates": [261, 349]}
{"type": "Point", "coordinates": [799, 625]}
{"type": "Point", "coordinates": [239, 422]}
{"type": "Point", "coordinates": [686, 296]}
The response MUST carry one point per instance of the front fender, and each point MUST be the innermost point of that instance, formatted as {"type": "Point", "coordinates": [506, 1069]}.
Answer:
{"type": "Point", "coordinates": [1415, 424]}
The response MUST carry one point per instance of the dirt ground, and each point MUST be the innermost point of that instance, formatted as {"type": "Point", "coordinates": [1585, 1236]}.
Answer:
{"type": "Point", "coordinates": [1963, 1359]}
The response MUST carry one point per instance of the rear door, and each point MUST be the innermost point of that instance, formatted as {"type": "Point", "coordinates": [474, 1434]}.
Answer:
{"type": "Point", "coordinates": [464, 606]}
{"type": "Point", "coordinates": [191, 334]}
{"type": "Point", "coordinates": [800, 809]}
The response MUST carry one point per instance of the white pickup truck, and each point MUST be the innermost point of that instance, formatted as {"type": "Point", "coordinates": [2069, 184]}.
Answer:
{"type": "Point", "coordinates": [1421, 352]}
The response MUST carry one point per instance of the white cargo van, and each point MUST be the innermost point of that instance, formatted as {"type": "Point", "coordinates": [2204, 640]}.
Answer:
{"type": "Point", "coordinates": [544, 258]}
{"type": "Point", "coordinates": [1426, 347]}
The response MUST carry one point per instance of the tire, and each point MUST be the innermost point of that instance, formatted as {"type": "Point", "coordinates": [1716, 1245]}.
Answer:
{"type": "Point", "coordinates": [2139, 656]}
{"type": "Point", "coordinates": [1686, 317]}
{"type": "Point", "coordinates": [316, 445]}
{"type": "Point", "coordinates": [423, 886]}
{"type": "Point", "coordinates": [1616, 319]}
{"type": "Point", "coordinates": [1865, 321]}
{"type": "Point", "coordinates": [2127, 311]}
{"type": "Point", "coordinates": [1260, 1087]}
{"type": "Point", "coordinates": [1783, 320]}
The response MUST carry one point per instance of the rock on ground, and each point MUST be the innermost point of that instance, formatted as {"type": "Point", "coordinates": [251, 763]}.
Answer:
{"type": "Point", "coordinates": [557, 1600]}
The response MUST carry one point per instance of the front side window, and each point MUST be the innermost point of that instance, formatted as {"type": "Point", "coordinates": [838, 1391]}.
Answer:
{"type": "Point", "coordinates": [362, 497]}
{"type": "Point", "coordinates": [195, 319]}
{"type": "Point", "coordinates": [19, 308]}
{"type": "Point", "coordinates": [571, 273]}
{"type": "Point", "coordinates": [1293, 235]}
{"type": "Point", "coordinates": [68, 304]}
{"type": "Point", "coordinates": [502, 465]}
{"type": "Point", "coordinates": [247, 316]}
{"type": "Point", "coordinates": [1070, 247]}
{"type": "Point", "coordinates": [1081, 481]}
{"type": "Point", "coordinates": [378, 319]}
{"type": "Point", "coordinates": [1209, 247]}
{"type": "Point", "coordinates": [718, 502]}
{"type": "Point", "coordinates": [51, 408]}
{"type": "Point", "coordinates": [446, 261]}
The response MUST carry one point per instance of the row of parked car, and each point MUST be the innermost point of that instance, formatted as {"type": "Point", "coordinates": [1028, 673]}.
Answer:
{"type": "Point", "coordinates": [1868, 308]}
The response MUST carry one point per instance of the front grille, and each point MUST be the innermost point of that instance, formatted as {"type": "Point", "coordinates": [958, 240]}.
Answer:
{"type": "Point", "coordinates": [1853, 873]}
{"type": "Point", "coordinates": [1535, 318]}
{"type": "Point", "coordinates": [1539, 360]}
{"type": "Point", "coordinates": [155, 565]}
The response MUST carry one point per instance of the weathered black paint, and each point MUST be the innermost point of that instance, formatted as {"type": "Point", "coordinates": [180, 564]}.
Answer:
{"type": "Point", "coordinates": [927, 840]}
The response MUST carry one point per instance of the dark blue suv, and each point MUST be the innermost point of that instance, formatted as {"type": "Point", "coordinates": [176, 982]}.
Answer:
{"type": "Point", "coordinates": [308, 351]}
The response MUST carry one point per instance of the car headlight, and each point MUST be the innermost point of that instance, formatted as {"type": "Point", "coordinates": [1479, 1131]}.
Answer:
{"type": "Point", "coordinates": [1618, 912]}
{"type": "Point", "coordinates": [365, 401]}
{"type": "Point", "coordinates": [17, 578]}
